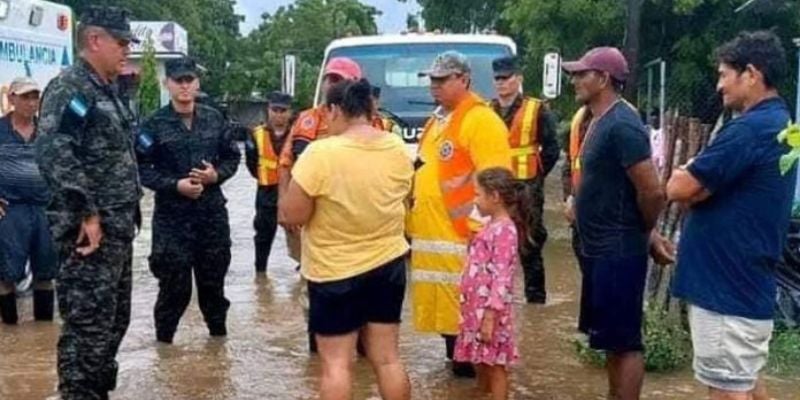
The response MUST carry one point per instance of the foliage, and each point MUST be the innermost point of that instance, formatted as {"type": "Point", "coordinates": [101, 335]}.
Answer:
{"type": "Point", "coordinates": [212, 26]}
{"type": "Point", "coordinates": [666, 342]}
{"type": "Point", "coordinates": [304, 29]}
{"type": "Point", "coordinates": [682, 32]}
{"type": "Point", "coordinates": [461, 16]}
{"type": "Point", "coordinates": [784, 352]}
{"type": "Point", "coordinates": [588, 355]}
{"type": "Point", "coordinates": [149, 95]}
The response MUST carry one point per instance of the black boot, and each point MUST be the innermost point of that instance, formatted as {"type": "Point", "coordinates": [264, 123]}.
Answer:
{"type": "Point", "coordinates": [8, 308]}
{"type": "Point", "coordinates": [217, 329]}
{"type": "Point", "coordinates": [164, 337]}
{"type": "Point", "coordinates": [43, 302]}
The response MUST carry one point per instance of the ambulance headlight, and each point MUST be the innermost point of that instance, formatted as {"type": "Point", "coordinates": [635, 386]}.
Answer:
{"type": "Point", "coordinates": [4, 6]}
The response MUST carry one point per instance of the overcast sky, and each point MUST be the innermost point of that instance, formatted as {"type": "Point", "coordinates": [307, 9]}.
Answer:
{"type": "Point", "coordinates": [393, 19]}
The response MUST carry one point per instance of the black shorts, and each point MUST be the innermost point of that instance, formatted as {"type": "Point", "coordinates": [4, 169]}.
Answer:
{"type": "Point", "coordinates": [612, 298]}
{"type": "Point", "coordinates": [341, 307]}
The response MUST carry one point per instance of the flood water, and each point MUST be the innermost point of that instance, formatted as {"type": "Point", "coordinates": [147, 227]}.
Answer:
{"type": "Point", "coordinates": [265, 357]}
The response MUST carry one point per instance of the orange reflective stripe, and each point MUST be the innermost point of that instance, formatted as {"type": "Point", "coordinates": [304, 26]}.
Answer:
{"type": "Point", "coordinates": [456, 168]}
{"type": "Point", "coordinates": [575, 147]}
{"type": "Point", "coordinates": [524, 140]}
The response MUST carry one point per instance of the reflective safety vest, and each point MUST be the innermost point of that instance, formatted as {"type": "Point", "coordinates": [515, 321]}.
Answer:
{"type": "Point", "coordinates": [267, 158]}
{"type": "Point", "coordinates": [524, 140]}
{"type": "Point", "coordinates": [575, 146]}
{"type": "Point", "coordinates": [456, 170]}
{"type": "Point", "coordinates": [576, 142]}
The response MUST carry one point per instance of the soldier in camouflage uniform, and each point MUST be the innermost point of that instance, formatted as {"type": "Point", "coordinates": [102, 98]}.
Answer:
{"type": "Point", "coordinates": [186, 152]}
{"type": "Point", "coordinates": [533, 159]}
{"type": "Point", "coordinates": [84, 149]}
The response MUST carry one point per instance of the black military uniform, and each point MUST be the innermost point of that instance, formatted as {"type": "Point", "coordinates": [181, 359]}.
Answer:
{"type": "Point", "coordinates": [85, 152]}
{"type": "Point", "coordinates": [188, 235]}
{"type": "Point", "coordinates": [263, 146]}
{"type": "Point", "coordinates": [532, 189]}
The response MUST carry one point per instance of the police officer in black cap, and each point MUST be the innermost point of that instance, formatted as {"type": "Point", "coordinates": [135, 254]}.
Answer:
{"type": "Point", "coordinates": [186, 152]}
{"type": "Point", "coordinates": [534, 148]}
{"type": "Point", "coordinates": [84, 149]}
{"type": "Point", "coordinates": [262, 147]}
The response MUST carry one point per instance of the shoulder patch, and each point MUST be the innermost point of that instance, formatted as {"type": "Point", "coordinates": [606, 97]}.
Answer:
{"type": "Point", "coordinates": [144, 142]}
{"type": "Point", "coordinates": [307, 122]}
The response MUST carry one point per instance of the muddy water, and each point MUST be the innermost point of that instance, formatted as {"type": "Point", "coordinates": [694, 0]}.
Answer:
{"type": "Point", "coordinates": [264, 356]}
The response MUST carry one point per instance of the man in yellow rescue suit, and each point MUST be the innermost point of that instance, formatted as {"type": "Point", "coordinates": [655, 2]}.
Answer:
{"type": "Point", "coordinates": [262, 149]}
{"type": "Point", "coordinates": [463, 137]}
{"type": "Point", "coordinates": [534, 153]}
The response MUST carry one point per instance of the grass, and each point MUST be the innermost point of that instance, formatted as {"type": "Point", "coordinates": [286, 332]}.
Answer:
{"type": "Point", "coordinates": [666, 340]}
{"type": "Point", "coordinates": [784, 352]}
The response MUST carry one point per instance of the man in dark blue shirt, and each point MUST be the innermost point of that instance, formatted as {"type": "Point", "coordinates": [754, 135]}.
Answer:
{"type": "Point", "coordinates": [740, 203]}
{"type": "Point", "coordinates": [618, 200]}
{"type": "Point", "coordinates": [24, 231]}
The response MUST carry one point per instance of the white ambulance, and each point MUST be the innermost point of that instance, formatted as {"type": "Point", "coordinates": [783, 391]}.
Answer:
{"type": "Point", "coordinates": [35, 41]}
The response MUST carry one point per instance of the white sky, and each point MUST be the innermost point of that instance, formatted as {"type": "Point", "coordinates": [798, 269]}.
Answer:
{"type": "Point", "coordinates": [393, 19]}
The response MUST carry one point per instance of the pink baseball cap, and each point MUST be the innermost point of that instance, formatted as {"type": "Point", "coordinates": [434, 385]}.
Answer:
{"type": "Point", "coordinates": [344, 67]}
{"type": "Point", "coordinates": [603, 59]}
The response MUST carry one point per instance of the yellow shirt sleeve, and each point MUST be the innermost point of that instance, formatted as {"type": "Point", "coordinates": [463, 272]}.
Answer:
{"type": "Point", "coordinates": [486, 137]}
{"type": "Point", "coordinates": [311, 171]}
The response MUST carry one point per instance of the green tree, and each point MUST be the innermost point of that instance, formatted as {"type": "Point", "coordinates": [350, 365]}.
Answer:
{"type": "Point", "coordinates": [149, 94]}
{"type": "Point", "coordinates": [682, 32]}
{"type": "Point", "coordinates": [212, 26]}
{"type": "Point", "coordinates": [304, 29]}
{"type": "Point", "coordinates": [461, 16]}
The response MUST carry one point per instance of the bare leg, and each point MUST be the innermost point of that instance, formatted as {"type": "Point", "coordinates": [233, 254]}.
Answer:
{"type": "Point", "coordinates": [625, 375]}
{"type": "Point", "coordinates": [336, 354]}
{"type": "Point", "coordinates": [717, 394]}
{"type": "Point", "coordinates": [380, 342]}
{"type": "Point", "coordinates": [484, 378]}
{"type": "Point", "coordinates": [760, 391]}
{"type": "Point", "coordinates": [499, 382]}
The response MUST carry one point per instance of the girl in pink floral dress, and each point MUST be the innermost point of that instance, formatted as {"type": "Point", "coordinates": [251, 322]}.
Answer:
{"type": "Point", "coordinates": [486, 336]}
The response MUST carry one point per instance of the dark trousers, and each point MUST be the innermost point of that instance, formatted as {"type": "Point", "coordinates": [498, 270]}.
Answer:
{"type": "Point", "coordinates": [583, 315]}
{"type": "Point", "coordinates": [531, 249]}
{"type": "Point", "coordinates": [94, 299]}
{"type": "Point", "coordinates": [265, 225]}
{"type": "Point", "coordinates": [199, 245]}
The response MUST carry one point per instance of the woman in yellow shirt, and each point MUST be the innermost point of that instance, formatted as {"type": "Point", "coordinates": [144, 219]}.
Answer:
{"type": "Point", "coordinates": [348, 192]}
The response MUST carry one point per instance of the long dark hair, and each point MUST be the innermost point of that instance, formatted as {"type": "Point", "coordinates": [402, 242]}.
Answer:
{"type": "Point", "coordinates": [501, 181]}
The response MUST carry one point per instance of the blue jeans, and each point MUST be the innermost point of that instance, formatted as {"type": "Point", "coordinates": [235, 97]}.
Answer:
{"type": "Point", "coordinates": [25, 237]}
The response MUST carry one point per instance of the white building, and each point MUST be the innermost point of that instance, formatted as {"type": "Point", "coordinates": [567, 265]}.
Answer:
{"type": "Point", "coordinates": [169, 39]}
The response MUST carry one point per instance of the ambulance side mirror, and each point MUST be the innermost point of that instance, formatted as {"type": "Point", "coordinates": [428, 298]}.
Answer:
{"type": "Point", "coordinates": [551, 79]}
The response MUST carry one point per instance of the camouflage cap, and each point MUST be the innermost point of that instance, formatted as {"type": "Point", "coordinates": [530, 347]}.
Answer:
{"type": "Point", "coordinates": [446, 64]}
{"type": "Point", "coordinates": [180, 67]}
{"type": "Point", "coordinates": [115, 20]}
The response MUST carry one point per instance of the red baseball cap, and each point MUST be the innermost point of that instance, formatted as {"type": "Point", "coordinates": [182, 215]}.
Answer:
{"type": "Point", "coordinates": [344, 67]}
{"type": "Point", "coordinates": [604, 59]}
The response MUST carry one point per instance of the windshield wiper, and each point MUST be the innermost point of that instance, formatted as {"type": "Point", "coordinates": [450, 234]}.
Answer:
{"type": "Point", "coordinates": [422, 103]}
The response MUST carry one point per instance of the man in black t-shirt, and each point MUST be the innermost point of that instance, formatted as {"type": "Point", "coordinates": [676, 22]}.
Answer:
{"type": "Point", "coordinates": [618, 201]}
